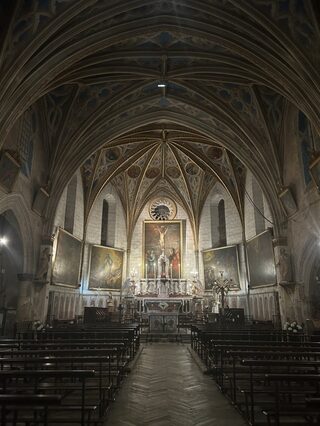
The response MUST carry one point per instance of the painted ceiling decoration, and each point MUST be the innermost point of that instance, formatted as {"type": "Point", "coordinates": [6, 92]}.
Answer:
{"type": "Point", "coordinates": [229, 69]}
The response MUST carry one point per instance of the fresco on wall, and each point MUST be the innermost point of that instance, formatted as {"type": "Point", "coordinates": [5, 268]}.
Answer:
{"type": "Point", "coordinates": [106, 265]}
{"type": "Point", "coordinates": [66, 266]}
{"type": "Point", "coordinates": [222, 259]}
{"type": "Point", "coordinates": [162, 249]}
{"type": "Point", "coordinates": [261, 262]}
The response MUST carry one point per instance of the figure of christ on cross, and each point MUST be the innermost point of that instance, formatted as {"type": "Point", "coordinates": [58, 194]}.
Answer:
{"type": "Point", "coordinates": [162, 232]}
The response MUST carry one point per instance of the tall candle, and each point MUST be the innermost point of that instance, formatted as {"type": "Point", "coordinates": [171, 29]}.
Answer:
{"type": "Point", "coordinates": [171, 270]}
{"type": "Point", "coordinates": [146, 271]}
{"type": "Point", "coordinates": [154, 269]}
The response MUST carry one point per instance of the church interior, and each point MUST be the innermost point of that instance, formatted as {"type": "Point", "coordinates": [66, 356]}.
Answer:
{"type": "Point", "coordinates": [160, 193]}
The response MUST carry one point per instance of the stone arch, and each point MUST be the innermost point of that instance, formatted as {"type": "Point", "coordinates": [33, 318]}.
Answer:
{"type": "Point", "coordinates": [17, 205]}
{"type": "Point", "coordinates": [193, 27]}
{"type": "Point", "coordinates": [116, 129]}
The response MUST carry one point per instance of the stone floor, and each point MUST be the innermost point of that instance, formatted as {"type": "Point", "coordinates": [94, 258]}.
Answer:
{"type": "Point", "coordinates": [167, 388]}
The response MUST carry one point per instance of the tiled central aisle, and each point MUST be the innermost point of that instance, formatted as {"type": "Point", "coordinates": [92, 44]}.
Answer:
{"type": "Point", "coordinates": [167, 388]}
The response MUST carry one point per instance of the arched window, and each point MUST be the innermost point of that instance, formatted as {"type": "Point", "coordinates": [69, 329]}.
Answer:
{"type": "Point", "coordinates": [70, 205]}
{"type": "Point", "coordinates": [104, 223]}
{"type": "Point", "coordinates": [222, 224]}
{"type": "Point", "coordinates": [257, 198]}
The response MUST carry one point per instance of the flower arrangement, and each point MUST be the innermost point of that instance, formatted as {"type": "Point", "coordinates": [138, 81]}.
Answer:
{"type": "Point", "coordinates": [293, 327]}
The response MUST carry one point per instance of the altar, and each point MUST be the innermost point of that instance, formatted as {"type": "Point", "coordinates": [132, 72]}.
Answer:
{"type": "Point", "coordinates": [162, 287]}
{"type": "Point", "coordinates": [163, 315]}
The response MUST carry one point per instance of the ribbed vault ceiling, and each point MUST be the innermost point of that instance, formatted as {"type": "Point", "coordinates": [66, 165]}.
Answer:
{"type": "Point", "coordinates": [92, 69]}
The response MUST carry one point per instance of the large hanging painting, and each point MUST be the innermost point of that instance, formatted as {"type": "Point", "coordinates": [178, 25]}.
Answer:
{"type": "Point", "coordinates": [66, 266]}
{"type": "Point", "coordinates": [106, 265]}
{"type": "Point", "coordinates": [222, 259]}
{"type": "Point", "coordinates": [162, 249]}
{"type": "Point", "coordinates": [261, 260]}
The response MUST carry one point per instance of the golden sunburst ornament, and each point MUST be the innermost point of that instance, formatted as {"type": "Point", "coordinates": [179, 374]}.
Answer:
{"type": "Point", "coordinates": [162, 209]}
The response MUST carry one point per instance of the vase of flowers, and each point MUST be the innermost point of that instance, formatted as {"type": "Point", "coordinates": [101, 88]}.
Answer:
{"type": "Point", "coordinates": [294, 330]}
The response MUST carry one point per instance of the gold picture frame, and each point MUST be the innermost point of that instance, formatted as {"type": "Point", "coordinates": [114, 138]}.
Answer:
{"type": "Point", "coordinates": [221, 259]}
{"type": "Point", "coordinates": [67, 260]}
{"type": "Point", "coordinates": [105, 268]}
{"type": "Point", "coordinates": [261, 273]}
{"type": "Point", "coordinates": [159, 235]}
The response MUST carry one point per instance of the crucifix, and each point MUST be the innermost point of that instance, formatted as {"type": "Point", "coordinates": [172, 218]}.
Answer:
{"type": "Point", "coordinates": [222, 286]}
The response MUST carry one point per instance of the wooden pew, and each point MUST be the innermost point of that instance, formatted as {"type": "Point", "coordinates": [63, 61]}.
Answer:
{"type": "Point", "coordinates": [131, 334]}
{"type": "Point", "coordinates": [102, 383]}
{"type": "Point", "coordinates": [53, 352]}
{"type": "Point", "coordinates": [278, 411]}
{"type": "Point", "coordinates": [256, 373]}
{"type": "Point", "coordinates": [30, 380]}
{"type": "Point", "coordinates": [118, 364]}
{"type": "Point", "coordinates": [27, 408]}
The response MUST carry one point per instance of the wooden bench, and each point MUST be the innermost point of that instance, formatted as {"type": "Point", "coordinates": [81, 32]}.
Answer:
{"type": "Point", "coordinates": [256, 374]}
{"type": "Point", "coordinates": [102, 383]}
{"type": "Point", "coordinates": [27, 408]}
{"type": "Point", "coordinates": [278, 411]}
{"type": "Point", "coordinates": [30, 381]}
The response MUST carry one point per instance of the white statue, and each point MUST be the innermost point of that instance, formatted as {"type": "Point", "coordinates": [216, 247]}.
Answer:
{"type": "Point", "coordinates": [163, 266]}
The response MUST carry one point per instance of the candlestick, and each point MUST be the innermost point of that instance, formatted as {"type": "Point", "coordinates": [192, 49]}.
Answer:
{"type": "Point", "coordinates": [154, 269]}
{"type": "Point", "coordinates": [146, 271]}
{"type": "Point", "coordinates": [171, 270]}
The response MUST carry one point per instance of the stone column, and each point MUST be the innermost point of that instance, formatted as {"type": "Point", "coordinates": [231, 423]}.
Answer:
{"type": "Point", "coordinates": [25, 308]}
{"type": "Point", "coordinates": [284, 276]}
{"type": "Point", "coordinates": [42, 279]}
{"type": "Point", "coordinates": [283, 264]}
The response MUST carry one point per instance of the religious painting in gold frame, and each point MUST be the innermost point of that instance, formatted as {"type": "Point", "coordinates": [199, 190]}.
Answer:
{"type": "Point", "coordinates": [261, 262]}
{"type": "Point", "coordinates": [106, 266]}
{"type": "Point", "coordinates": [163, 237]}
{"type": "Point", "coordinates": [221, 259]}
{"type": "Point", "coordinates": [67, 260]}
